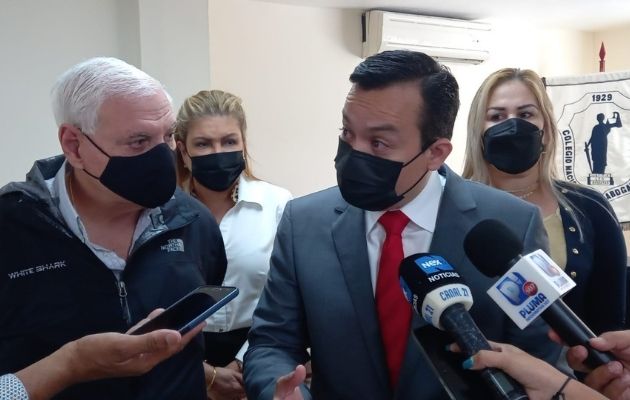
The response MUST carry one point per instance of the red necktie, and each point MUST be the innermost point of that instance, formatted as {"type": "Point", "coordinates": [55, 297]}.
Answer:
{"type": "Point", "coordinates": [394, 313]}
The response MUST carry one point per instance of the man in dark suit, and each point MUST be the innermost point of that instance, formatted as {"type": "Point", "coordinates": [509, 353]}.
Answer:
{"type": "Point", "coordinates": [333, 283]}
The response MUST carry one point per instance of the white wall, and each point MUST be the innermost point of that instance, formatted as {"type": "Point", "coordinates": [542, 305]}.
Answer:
{"type": "Point", "coordinates": [174, 44]}
{"type": "Point", "coordinates": [38, 41]}
{"type": "Point", "coordinates": [41, 39]}
{"type": "Point", "coordinates": [291, 64]}
{"type": "Point", "coordinates": [616, 43]}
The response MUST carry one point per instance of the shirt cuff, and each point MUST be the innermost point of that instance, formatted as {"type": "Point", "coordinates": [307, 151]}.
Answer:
{"type": "Point", "coordinates": [241, 353]}
{"type": "Point", "coordinates": [12, 388]}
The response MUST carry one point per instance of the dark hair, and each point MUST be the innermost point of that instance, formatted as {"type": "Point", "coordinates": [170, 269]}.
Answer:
{"type": "Point", "coordinates": [438, 87]}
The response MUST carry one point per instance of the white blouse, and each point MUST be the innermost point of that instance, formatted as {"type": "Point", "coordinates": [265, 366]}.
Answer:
{"type": "Point", "coordinates": [249, 231]}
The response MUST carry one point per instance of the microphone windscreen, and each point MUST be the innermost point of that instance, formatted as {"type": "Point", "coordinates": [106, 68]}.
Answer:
{"type": "Point", "coordinates": [422, 273]}
{"type": "Point", "coordinates": [431, 285]}
{"type": "Point", "coordinates": [413, 280]}
{"type": "Point", "coordinates": [491, 247]}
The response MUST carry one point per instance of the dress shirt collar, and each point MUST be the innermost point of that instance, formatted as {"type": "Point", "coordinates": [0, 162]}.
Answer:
{"type": "Point", "coordinates": [422, 210]}
{"type": "Point", "coordinates": [249, 191]}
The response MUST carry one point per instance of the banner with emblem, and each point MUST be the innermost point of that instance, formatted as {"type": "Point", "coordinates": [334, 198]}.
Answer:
{"type": "Point", "coordinates": [593, 116]}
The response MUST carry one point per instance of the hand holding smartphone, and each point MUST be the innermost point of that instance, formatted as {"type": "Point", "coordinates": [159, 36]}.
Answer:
{"type": "Point", "coordinates": [190, 310]}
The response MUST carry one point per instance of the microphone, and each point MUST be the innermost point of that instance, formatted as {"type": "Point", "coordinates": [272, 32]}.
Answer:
{"type": "Point", "coordinates": [532, 285]}
{"type": "Point", "coordinates": [438, 294]}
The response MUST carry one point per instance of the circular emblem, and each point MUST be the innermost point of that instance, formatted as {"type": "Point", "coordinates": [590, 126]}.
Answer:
{"type": "Point", "coordinates": [530, 288]}
{"type": "Point", "coordinates": [594, 135]}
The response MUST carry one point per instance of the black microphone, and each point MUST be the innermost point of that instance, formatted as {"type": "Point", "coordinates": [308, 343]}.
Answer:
{"type": "Point", "coordinates": [493, 248]}
{"type": "Point", "coordinates": [438, 294]}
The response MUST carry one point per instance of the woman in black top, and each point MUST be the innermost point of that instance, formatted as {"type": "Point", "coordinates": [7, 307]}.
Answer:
{"type": "Point", "coordinates": [511, 145]}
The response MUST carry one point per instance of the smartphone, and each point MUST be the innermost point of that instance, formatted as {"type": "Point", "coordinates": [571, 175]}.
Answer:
{"type": "Point", "coordinates": [457, 382]}
{"type": "Point", "coordinates": [190, 310]}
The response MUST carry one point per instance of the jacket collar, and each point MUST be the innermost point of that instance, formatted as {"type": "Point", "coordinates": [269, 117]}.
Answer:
{"type": "Point", "coordinates": [174, 214]}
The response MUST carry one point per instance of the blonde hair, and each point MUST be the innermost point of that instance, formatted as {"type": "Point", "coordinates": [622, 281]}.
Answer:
{"type": "Point", "coordinates": [476, 167]}
{"type": "Point", "coordinates": [210, 103]}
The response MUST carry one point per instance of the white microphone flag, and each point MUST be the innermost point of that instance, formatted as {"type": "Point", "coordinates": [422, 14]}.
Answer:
{"type": "Point", "coordinates": [593, 117]}
{"type": "Point", "coordinates": [529, 287]}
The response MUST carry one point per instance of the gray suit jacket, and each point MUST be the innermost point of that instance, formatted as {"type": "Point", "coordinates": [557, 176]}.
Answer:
{"type": "Point", "coordinates": [319, 295]}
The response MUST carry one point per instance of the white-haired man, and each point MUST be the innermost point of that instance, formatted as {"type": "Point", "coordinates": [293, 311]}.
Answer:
{"type": "Point", "coordinates": [95, 239]}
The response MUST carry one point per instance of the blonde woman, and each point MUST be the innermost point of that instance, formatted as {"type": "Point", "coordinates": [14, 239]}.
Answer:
{"type": "Point", "coordinates": [214, 166]}
{"type": "Point", "coordinates": [511, 145]}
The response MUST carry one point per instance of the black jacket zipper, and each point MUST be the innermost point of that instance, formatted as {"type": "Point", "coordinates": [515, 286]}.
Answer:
{"type": "Point", "coordinates": [122, 293]}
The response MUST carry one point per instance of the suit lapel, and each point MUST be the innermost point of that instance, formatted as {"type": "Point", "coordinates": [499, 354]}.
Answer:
{"type": "Point", "coordinates": [349, 238]}
{"type": "Point", "coordinates": [454, 219]}
{"type": "Point", "coordinates": [452, 223]}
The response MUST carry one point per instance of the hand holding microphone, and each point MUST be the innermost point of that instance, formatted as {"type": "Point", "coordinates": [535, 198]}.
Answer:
{"type": "Point", "coordinates": [613, 379]}
{"type": "Point", "coordinates": [540, 379]}
{"type": "Point", "coordinates": [532, 285]}
{"type": "Point", "coordinates": [438, 293]}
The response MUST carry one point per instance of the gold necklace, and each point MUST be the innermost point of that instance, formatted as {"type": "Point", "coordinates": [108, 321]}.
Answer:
{"type": "Point", "coordinates": [529, 190]}
{"type": "Point", "coordinates": [526, 195]}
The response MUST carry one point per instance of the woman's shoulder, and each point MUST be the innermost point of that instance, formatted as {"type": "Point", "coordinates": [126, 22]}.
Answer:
{"type": "Point", "coordinates": [586, 199]}
{"type": "Point", "coordinates": [577, 191]}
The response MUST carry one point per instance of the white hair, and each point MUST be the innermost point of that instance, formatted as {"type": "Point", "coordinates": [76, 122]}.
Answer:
{"type": "Point", "coordinates": [80, 91]}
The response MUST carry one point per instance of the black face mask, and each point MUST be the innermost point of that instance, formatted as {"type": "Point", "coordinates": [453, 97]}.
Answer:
{"type": "Point", "coordinates": [513, 146]}
{"type": "Point", "coordinates": [218, 171]}
{"type": "Point", "coordinates": [148, 179]}
{"type": "Point", "coordinates": [368, 182]}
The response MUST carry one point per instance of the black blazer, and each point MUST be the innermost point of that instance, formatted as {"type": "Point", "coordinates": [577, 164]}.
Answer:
{"type": "Point", "coordinates": [596, 261]}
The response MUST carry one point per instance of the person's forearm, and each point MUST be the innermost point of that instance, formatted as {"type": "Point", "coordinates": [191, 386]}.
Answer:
{"type": "Point", "coordinates": [578, 391]}
{"type": "Point", "coordinates": [50, 375]}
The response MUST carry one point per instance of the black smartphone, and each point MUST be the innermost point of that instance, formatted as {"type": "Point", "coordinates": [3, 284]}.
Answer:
{"type": "Point", "coordinates": [190, 310]}
{"type": "Point", "coordinates": [457, 382]}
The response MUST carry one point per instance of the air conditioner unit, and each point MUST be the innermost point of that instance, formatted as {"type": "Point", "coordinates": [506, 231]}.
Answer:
{"type": "Point", "coordinates": [445, 39]}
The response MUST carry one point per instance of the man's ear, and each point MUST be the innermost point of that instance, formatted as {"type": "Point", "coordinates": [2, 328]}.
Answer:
{"type": "Point", "coordinates": [69, 138]}
{"type": "Point", "coordinates": [438, 152]}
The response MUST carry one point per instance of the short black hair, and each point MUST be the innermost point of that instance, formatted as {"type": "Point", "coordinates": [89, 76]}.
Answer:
{"type": "Point", "coordinates": [438, 88]}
